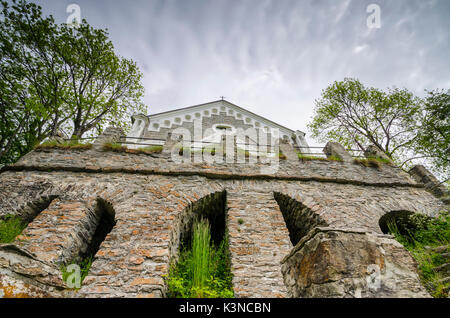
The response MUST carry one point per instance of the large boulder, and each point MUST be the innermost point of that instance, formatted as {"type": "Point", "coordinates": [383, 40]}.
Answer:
{"type": "Point", "coordinates": [345, 263]}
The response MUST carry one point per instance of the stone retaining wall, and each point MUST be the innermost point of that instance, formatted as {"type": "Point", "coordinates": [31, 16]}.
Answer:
{"type": "Point", "coordinates": [152, 199]}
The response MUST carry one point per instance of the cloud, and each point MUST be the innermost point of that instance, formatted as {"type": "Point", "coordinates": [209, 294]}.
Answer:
{"type": "Point", "coordinates": [360, 48]}
{"type": "Point", "coordinates": [272, 57]}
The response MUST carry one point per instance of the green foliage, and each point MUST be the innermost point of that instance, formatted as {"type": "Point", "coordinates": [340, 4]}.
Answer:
{"type": "Point", "coordinates": [333, 158]}
{"type": "Point", "coordinates": [147, 150]}
{"type": "Point", "coordinates": [10, 227]}
{"type": "Point", "coordinates": [118, 147]}
{"type": "Point", "coordinates": [85, 265]}
{"type": "Point", "coordinates": [433, 140]}
{"type": "Point", "coordinates": [201, 250]}
{"type": "Point", "coordinates": [355, 116]}
{"type": "Point", "coordinates": [67, 144]}
{"type": "Point", "coordinates": [54, 77]}
{"type": "Point", "coordinates": [309, 158]}
{"type": "Point", "coordinates": [419, 234]}
{"type": "Point", "coordinates": [203, 270]}
{"type": "Point", "coordinates": [113, 146]}
{"type": "Point", "coordinates": [367, 162]}
{"type": "Point", "coordinates": [153, 149]}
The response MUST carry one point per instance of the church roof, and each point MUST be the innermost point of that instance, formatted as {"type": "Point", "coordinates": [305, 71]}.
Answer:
{"type": "Point", "coordinates": [236, 108]}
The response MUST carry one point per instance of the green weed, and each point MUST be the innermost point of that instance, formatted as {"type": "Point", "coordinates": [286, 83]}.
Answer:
{"type": "Point", "coordinates": [10, 227]}
{"type": "Point", "coordinates": [419, 235]}
{"type": "Point", "coordinates": [203, 270]}
{"type": "Point", "coordinates": [84, 264]}
{"type": "Point", "coordinates": [66, 144]}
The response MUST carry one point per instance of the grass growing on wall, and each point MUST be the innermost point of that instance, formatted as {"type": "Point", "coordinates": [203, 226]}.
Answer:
{"type": "Point", "coordinates": [308, 158]}
{"type": "Point", "coordinates": [84, 266]}
{"type": "Point", "coordinates": [117, 147]}
{"type": "Point", "coordinates": [203, 270]}
{"type": "Point", "coordinates": [113, 146]}
{"type": "Point", "coordinates": [10, 227]}
{"type": "Point", "coordinates": [373, 162]}
{"type": "Point", "coordinates": [421, 241]}
{"type": "Point", "coordinates": [66, 144]}
{"type": "Point", "coordinates": [146, 150]}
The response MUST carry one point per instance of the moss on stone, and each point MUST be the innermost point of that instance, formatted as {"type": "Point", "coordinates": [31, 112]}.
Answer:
{"type": "Point", "coordinates": [371, 162]}
{"type": "Point", "coordinates": [309, 158]}
{"type": "Point", "coordinates": [113, 146]}
{"type": "Point", "coordinates": [67, 144]}
{"type": "Point", "coordinates": [117, 147]}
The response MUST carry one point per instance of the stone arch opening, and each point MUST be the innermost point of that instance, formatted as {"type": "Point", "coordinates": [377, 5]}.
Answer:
{"type": "Point", "coordinates": [298, 217]}
{"type": "Point", "coordinates": [31, 209]}
{"type": "Point", "coordinates": [212, 208]}
{"type": "Point", "coordinates": [17, 221]}
{"type": "Point", "coordinates": [104, 223]}
{"type": "Point", "coordinates": [195, 256]}
{"type": "Point", "coordinates": [401, 219]}
{"type": "Point", "coordinates": [94, 231]}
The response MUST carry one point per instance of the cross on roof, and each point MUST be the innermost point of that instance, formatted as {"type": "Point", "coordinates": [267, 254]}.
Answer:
{"type": "Point", "coordinates": [222, 97]}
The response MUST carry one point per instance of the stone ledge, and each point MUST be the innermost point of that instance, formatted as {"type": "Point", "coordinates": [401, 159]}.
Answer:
{"type": "Point", "coordinates": [209, 175]}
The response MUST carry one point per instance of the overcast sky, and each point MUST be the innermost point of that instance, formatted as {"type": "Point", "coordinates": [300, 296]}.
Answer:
{"type": "Point", "coordinates": [271, 57]}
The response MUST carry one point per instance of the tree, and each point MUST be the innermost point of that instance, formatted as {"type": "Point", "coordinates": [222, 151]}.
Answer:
{"type": "Point", "coordinates": [54, 77]}
{"type": "Point", "coordinates": [354, 115]}
{"type": "Point", "coordinates": [433, 141]}
{"type": "Point", "coordinates": [102, 86]}
{"type": "Point", "coordinates": [29, 78]}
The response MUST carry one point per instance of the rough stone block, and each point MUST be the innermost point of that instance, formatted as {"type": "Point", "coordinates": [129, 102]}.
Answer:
{"type": "Point", "coordinates": [345, 263]}
{"type": "Point", "coordinates": [335, 149]}
{"type": "Point", "coordinates": [373, 151]}
{"type": "Point", "coordinates": [422, 175]}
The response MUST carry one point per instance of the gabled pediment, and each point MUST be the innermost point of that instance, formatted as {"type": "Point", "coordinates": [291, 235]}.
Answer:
{"type": "Point", "coordinates": [219, 116]}
{"type": "Point", "coordinates": [177, 117]}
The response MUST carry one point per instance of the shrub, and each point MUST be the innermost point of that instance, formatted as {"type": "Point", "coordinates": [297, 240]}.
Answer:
{"type": "Point", "coordinates": [419, 235]}
{"type": "Point", "coordinates": [10, 227]}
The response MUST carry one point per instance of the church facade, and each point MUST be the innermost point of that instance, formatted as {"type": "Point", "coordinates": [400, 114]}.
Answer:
{"type": "Point", "coordinates": [206, 124]}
